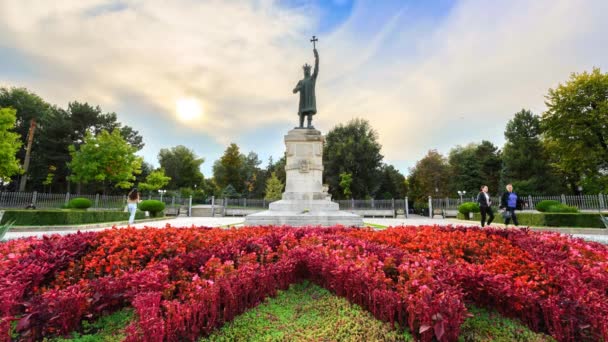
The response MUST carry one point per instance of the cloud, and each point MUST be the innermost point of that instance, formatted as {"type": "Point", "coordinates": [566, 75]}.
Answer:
{"type": "Point", "coordinates": [424, 77]}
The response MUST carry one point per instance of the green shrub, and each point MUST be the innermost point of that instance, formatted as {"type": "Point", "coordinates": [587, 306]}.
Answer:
{"type": "Point", "coordinates": [468, 207]}
{"type": "Point", "coordinates": [153, 206]}
{"type": "Point", "coordinates": [80, 203]}
{"type": "Point", "coordinates": [562, 208]}
{"type": "Point", "coordinates": [564, 220]}
{"type": "Point", "coordinates": [64, 217]}
{"type": "Point", "coordinates": [543, 206]}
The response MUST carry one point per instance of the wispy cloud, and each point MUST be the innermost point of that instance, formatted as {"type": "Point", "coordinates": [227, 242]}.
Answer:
{"type": "Point", "coordinates": [424, 79]}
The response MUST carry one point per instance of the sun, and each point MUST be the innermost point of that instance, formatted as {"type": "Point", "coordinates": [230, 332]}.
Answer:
{"type": "Point", "coordinates": [188, 109]}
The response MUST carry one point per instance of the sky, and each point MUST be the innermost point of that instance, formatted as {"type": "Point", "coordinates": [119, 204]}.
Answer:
{"type": "Point", "coordinates": [426, 74]}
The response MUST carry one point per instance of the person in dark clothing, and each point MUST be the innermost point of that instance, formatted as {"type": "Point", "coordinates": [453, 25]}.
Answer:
{"type": "Point", "coordinates": [508, 203]}
{"type": "Point", "coordinates": [485, 206]}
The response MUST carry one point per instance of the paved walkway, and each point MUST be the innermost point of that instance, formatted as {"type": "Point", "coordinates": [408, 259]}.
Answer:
{"type": "Point", "coordinates": [414, 220]}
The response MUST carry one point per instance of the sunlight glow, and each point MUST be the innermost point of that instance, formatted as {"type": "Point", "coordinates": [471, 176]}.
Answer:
{"type": "Point", "coordinates": [188, 109]}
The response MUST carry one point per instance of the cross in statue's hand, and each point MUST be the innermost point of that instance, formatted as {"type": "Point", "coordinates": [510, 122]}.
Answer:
{"type": "Point", "coordinates": [314, 40]}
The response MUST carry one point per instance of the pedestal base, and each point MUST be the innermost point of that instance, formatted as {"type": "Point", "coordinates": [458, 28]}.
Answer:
{"type": "Point", "coordinates": [300, 219]}
{"type": "Point", "coordinates": [305, 202]}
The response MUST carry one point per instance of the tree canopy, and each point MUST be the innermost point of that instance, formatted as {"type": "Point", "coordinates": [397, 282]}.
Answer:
{"type": "Point", "coordinates": [9, 144]}
{"type": "Point", "coordinates": [353, 148]}
{"type": "Point", "coordinates": [182, 165]}
{"type": "Point", "coordinates": [106, 158]}
{"type": "Point", "coordinates": [576, 127]}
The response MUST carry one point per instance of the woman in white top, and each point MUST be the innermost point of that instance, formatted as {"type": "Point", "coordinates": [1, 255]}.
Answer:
{"type": "Point", "coordinates": [485, 205]}
{"type": "Point", "coordinates": [132, 201]}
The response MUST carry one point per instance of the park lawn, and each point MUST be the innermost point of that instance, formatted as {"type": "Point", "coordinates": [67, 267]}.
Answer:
{"type": "Point", "coordinates": [307, 312]}
{"type": "Point", "coordinates": [373, 225]}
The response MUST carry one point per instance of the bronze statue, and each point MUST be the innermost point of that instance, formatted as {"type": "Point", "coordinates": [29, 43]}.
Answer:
{"type": "Point", "coordinates": [306, 87]}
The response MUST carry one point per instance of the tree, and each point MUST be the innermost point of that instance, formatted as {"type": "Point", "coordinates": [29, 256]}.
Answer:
{"type": "Point", "coordinates": [353, 148]}
{"type": "Point", "coordinates": [274, 188]}
{"type": "Point", "coordinates": [106, 158]}
{"type": "Point", "coordinates": [525, 160]}
{"type": "Point", "coordinates": [429, 177]}
{"type": "Point", "coordinates": [490, 163]}
{"type": "Point", "coordinates": [392, 185]}
{"type": "Point", "coordinates": [253, 175]}
{"type": "Point", "coordinates": [575, 126]}
{"type": "Point", "coordinates": [230, 192]}
{"type": "Point", "coordinates": [346, 180]}
{"type": "Point", "coordinates": [156, 180]}
{"type": "Point", "coordinates": [465, 169]}
{"type": "Point", "coordinates": [182, 165]}
{"type": "Point", "coordinates": [9, 144]}
{"type": "Point", "coordinates": [228, 170]}
{"type": "Point", "coordinates": [278, 168]}
{"type": "Point", "coordinates": [28, 106]}
{"type": "Point", "coordinates": [86, 118]}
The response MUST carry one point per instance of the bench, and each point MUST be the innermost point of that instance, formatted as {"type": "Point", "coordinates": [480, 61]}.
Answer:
{"type": "Point", "coordinates": [172, 211]}
{"type": "Point", "coordinates": [450, 213]}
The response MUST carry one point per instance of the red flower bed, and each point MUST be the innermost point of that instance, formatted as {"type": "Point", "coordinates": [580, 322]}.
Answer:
{"type": "Point", "coordinates": [184, 283]}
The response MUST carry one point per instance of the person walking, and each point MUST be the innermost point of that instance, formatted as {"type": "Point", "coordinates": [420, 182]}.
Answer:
{"type": "Point", "coordinates": [508, 204]}
{"type": "Point", "coordinates": [132, 201]}
{"type": "Point", "coordinates": [485, 206]}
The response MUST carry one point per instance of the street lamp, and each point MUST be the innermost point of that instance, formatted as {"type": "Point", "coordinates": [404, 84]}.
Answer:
{"type": "Point", "coordinates": [161, 192]}
{"type": "Point", "coordinates": [461, 193]}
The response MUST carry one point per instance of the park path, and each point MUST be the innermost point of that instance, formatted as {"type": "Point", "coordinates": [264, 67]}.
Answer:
{"type": "Point", "coordinates": [414, 220]}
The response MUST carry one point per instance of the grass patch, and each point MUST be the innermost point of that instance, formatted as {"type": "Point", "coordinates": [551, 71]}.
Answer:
{"type": "Point", "coordinates": [373, 225]}
{"type": "Point", "coordinates": [108, 328]}
{"type": "Point", "coordinates": [491, 326]}
{"type": "Point", "coordinates": [307, 312]}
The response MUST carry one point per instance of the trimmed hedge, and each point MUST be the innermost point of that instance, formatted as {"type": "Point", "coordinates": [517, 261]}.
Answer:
{"type": "Point", "coordinates": [468, 207]}
{"type": "Point", "coordinates": [565, 220]}
{"type": "Point", "coordinates": [80, 203]}
{"type": "Point", "coordinates": [153, 206]}
{"type": "Point", "coordinates": [562, 208]}
{"type": "Point", "coordinates": [543, 206]}
{"type": "Point", "coordinates": [64, 217]}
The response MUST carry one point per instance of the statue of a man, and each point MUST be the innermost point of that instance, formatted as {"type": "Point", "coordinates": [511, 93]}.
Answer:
{"type": "Point", "coordinates": [306, 87]}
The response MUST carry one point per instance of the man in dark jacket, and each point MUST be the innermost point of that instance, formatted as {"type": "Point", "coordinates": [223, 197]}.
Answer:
{"type": "Point", "coordinates": [485, 205]}
{"type": "Point", "coordinates": [508, 203]}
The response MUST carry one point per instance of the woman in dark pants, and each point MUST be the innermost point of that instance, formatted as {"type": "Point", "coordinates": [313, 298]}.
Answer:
{"type": "Point", "coordinates": [485, 205]}
{"type": "Point", "coordinates": [508, 203]}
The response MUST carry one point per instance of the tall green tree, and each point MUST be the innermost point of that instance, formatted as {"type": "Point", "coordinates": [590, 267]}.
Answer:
{"type": "Point", "coordinates": [392, 184]}
{"type": "Point", "coordinates": [106, 158]}
{"type": "Point", "coordinates": [274, 188]}
{"type": "Point", "coordinates": [87, 118]}
{"type": "Point", "coordinates": [525, 160]}
{"type": "Point", "coordinates": [465, 169]}
{"type": "Point", "coordinates": [182, 165]}
{"type": "Point", "coordinates": [28, 106]}
{"type": "Point", "coordinates": [353, 148]}
{"type": "Point", "coordinates": [9, 144]}
{"type": "Point", "coordinates": [253, 176]}
{"type": "Point", "coordinates": [490, 164]}
{"type": "Point", "coordinates": [228, 170]}
{"type": "Point", "coordinates": [156, 180]}
{"type": "Point", "coordinates": [576, 127]}
{"type": "Point", "coordinates": [429, 177]}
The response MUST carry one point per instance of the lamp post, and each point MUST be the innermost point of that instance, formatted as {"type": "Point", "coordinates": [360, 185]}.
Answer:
{"type": "Point", "coordinates": [161, 192]}
{"type": "Point", "coordinates": [461, 193]}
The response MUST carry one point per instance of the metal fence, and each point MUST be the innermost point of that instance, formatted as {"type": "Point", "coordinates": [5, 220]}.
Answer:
{"type": "Point", "coordinates": [40, 200]}
{"type": "Point", "coordinates": [582, 202]}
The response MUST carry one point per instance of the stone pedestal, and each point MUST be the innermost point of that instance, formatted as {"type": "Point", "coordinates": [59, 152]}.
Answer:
{"type": "Point", "coordinates": [304, 202]}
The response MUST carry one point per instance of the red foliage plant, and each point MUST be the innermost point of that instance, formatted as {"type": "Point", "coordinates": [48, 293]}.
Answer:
{"type": "Point", "coordinates": [185, 282]}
